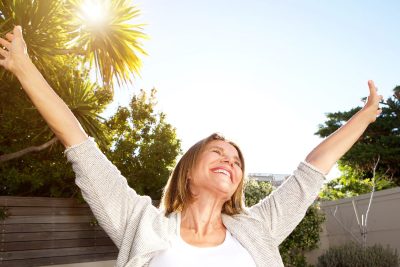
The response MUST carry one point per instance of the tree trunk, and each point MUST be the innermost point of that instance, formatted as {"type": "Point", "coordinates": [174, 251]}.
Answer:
{"type": "Point", "coordinates": [14, 155]}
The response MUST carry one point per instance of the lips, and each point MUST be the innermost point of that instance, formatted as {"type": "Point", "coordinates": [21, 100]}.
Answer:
{"type": "Point", "coordinates": [223, 170]}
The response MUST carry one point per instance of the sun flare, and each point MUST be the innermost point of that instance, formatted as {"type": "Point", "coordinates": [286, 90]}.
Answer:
{"type": "Point", "coordinates": [94, 12]}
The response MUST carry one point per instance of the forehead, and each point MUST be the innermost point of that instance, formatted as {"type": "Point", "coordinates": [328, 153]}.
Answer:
{"type": "Point", "coordinates": [227, 147]}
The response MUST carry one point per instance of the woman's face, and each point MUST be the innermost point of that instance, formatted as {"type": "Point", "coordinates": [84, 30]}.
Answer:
{"type": "Point", "coordinates": [218, 170]}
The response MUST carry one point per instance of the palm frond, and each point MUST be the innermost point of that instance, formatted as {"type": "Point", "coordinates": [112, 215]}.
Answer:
{"type": "Point", "coordinates": [43, 27]}
{"type": "Point", "coordinates": [114, 46]}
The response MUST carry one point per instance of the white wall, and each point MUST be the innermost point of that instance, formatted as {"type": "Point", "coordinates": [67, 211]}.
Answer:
{"type": "Point", "coordinates": [383, 221]}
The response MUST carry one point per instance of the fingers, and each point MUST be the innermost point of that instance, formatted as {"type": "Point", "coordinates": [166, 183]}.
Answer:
{"type": "Point", "coordinates": [372, 87]}
{"type": "Point", "coordinates": [10, 36]}
{"type": "Point", "coordinates": [3, 53]}
{"type": "Point", "coordinates": [18, 31]}
{"type": "Point", "coordinates": [5, 43]}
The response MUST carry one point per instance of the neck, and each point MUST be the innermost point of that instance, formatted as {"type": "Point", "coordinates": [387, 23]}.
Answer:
{"type": "Point", "coordinates": [203, 216]}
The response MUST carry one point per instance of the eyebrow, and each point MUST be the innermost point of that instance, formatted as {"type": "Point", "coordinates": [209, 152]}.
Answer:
{"type": "Point", "coordinates": [221, 148]}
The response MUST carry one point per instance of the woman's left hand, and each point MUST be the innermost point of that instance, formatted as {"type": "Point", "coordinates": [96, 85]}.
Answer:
{"type": "Point", "coordinates": [371, 107]}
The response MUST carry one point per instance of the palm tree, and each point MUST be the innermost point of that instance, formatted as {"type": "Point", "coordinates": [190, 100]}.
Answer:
{"type": "Point", "coordinates": [64, 44]}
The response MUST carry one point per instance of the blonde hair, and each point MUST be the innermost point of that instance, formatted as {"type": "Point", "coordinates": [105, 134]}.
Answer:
{"type": "Point", "coordinates": [177, 194]}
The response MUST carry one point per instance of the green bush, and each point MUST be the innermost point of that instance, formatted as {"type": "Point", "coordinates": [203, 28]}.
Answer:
{"type": "Point", "coordinates": [354, 255]}
{"type": "Point", "coordinates": [304, 237]}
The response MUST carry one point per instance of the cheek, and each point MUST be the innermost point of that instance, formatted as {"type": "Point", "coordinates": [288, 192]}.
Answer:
{"type": "Point", "coordinates": [239, 177]}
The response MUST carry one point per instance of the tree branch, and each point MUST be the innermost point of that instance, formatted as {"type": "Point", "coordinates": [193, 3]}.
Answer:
{"type": "Point", "coordinates": [14, 155]}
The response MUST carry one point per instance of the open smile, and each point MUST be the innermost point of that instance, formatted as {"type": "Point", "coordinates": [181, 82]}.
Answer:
{"type": "Point", "coordinates": [223, 171]}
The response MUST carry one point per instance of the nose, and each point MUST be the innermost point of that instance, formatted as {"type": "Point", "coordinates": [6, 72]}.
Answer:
{"type": "Point", "coordinates": [229, 160]}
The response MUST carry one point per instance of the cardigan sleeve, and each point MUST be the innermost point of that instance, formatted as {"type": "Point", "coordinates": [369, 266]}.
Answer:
{"type": "Point", "coordinates": [106, 191]}
{"type": "Point", "coordinates": [286, 206]}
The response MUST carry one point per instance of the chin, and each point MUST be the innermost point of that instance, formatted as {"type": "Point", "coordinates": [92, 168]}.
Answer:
{"type": "Point", "coordinates": [226, 195]}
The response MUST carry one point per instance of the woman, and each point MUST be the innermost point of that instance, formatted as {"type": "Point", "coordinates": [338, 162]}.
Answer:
{"type": "Point", "coordinates": [203, 221]}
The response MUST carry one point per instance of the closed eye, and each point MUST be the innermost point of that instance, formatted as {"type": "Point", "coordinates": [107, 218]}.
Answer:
{"type": "Point", "coordinates": [216, 151]}
{"type": "Point", "coordinates": [238, 164]}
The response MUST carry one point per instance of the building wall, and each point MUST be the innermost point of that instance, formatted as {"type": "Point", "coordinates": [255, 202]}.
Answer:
{"type": "Point", "coordinates": [383, 222]}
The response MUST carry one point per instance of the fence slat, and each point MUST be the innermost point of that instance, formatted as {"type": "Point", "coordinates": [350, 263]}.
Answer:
{"type": "Point", "coordinates": [67, 243]}
{"type": "Point", "coordinates": [41, 253]}
{"type": "Point", "coordinates": [36, 211]}
{"type": "Point", "coordinates": [59, 260]}
{"type": "Point", "coordinates": [51, 236]}
{"type": "Point", "coordinates": [49, 227]}
{"type": "Point", "coordinates": [39, 202]}
{"type": "Point", "coordinates": [48, 219]}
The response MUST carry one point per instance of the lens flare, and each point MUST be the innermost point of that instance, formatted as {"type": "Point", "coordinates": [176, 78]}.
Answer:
{"type": "Point", "coordinates": [94, 12]}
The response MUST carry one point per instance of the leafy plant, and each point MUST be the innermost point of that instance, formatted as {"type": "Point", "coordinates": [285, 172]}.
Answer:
{"type": "Point", "coordinates": [304, 237]}
{"type": "Point", "coordinates": [4, 213]}
{"type": "Point", "coordinates": [380, 140]}
{"type": "Point", "coordinates": [353, 182]}
{"type": "Point", "coordinates": [144, 145]}
{"type": "Point", "coordinates": [354, 255]}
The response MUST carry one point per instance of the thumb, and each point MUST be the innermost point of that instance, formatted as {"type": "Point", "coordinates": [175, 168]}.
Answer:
{"type": "Point", "coordinates": [372, 88]}
{"type": "Point", "coordinates": [18, 31]}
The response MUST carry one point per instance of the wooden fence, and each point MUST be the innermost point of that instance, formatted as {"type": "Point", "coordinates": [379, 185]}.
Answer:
{"type": "Point", "coordinates": [44, 231]}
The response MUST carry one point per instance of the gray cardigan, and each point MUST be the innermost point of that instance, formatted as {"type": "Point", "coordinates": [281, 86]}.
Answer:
{"type": "Point", "coordinates": [140, 230]}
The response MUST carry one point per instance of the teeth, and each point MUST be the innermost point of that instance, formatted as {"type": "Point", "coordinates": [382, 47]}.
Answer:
{"type": "Point", "coordinates": [224, 172]}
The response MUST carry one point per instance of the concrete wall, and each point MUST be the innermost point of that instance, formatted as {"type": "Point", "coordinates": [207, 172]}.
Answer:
{"type": "Point", "coordinates": [383, 221]}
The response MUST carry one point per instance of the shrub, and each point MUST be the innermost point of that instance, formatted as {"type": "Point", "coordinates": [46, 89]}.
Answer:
{"type": "Point", "coordinates": [354, 255]}
{"type": "Point", "coordinates": [304, 237]}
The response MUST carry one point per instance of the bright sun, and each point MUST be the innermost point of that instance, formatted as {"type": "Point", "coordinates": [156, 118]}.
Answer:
{"type": "Point", "coordinates": [94, 11]}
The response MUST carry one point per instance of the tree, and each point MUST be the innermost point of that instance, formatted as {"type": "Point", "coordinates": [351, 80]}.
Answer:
{"type": "Point", "coordinates": [380, 140]}
{"type": "Point", "coordinates": [65, 47]}
{"type": "Point", "coordinates": [56, 28]}
{"type": "Point", "coordinates": [255, 191]}
{"type": "Point", "coordinates": [63, 43]}
{"type": "Point", "coordinates": [352, 183]}
{"type": "Point", "coordinates": [144, 145]}
{"type": "Point", "coordinates": [45, 172]}
{"type": "Point", "coordinates": [304, 237]}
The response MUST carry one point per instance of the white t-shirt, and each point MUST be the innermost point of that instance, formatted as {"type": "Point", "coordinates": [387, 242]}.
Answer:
{"type": "Point", "coordinates": [181, 254]}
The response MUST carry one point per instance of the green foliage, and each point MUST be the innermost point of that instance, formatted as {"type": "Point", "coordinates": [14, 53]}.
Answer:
{"type": "Point", "coordinates": [54, 28]}
{"type": "Point", "coordinates": [45, 173]}
{"type": "Point", "coordinates": [144, 145]}
{"type": "Point", "coordinates": [381, 139]}
{"type": "Point", "coordinates": [139, 142]}
{"type": "Point", "coordinates": [304, 237]}
{"type": "Point", "coordinates": [64, 47]}
{"type": "Point", "coordinates": [352, 183]}
{"type": "Point", "coordinates": [4, 213]}
{"type": "Point", "coordinates": [44, 28]}
{"type": "Point", "coordinates": [255, 191]}
{"type": "Point", "coordinates": [354, 255]}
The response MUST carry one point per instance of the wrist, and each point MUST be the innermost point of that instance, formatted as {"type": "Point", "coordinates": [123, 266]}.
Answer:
{"type": "Point", "coordinates": [23, 68]}
{"type": "Point", "coordinates": [368, 114]}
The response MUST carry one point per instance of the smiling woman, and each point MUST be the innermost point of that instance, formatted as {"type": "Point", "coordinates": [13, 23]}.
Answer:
{"type": "Point", "coordinates": [204, 222]}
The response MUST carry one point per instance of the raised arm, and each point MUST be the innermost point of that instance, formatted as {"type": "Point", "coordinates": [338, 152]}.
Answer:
{"type": "Point", "coordinates": [285, 207]}
{"type": "Point", "coordinates": [325, 155]}
{"type": "Point", "coordinates": [53, 109]}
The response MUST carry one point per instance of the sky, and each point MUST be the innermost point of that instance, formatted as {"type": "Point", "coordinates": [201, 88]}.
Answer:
{"type": "Point", "coordinates": [264, 73]}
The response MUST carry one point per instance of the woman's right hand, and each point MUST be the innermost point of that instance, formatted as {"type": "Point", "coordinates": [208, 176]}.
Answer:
{"type": "Point", "coordinates": [13, 51]}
